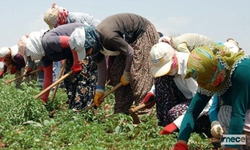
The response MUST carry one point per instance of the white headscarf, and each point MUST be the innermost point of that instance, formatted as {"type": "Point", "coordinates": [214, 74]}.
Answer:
{"type": "Point", "coordinates": [34, 47]}
{"type": "Point", "coordinates": [4, 51]}
{"type": "Point", "coordinates": [13, 51]}
{"type": "Point", "coordinates": [22, 46]}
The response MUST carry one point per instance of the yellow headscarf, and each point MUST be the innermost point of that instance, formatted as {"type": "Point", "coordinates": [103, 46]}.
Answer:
{"type": "Point", "coordinates": [211, 67]}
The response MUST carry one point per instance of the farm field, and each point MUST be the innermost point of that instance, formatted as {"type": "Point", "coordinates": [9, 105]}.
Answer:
{"type": "Point", "coordinates": [25, 123]}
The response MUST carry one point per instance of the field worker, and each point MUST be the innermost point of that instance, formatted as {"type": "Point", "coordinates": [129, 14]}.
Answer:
{"type": "Point", "coordinates": [217, 70]}
{"type": "Point", "coordinates": [186, 42]}
{"type": "Point", "coordinates": [13, 63]}
{"type": "Point", "coordinates": [31, 65]}
{"type": "Point", "coordinates": [220, 114]}
{"type": "Point", "coordinates": [56, 16]}
{"type": "Point", "coordinates": [193, 40]}
{"type": "Point", "coordinates": [171, 92]}
{"type": "Point", "coordinates": [54, 45]}
{"type": "Point", "coordinates": [129, 37]}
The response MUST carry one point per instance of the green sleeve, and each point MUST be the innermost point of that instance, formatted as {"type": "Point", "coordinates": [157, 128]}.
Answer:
{"type": "Point", "coordinates": [240, 99]}
{"type": "Point", "coordinates": [214, 109]}
{"type": "Point", "coordinates": [197, 104]}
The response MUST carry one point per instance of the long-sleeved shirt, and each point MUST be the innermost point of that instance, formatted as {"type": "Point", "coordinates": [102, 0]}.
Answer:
{"type": "Point", "coordinates": [189, 41]}
{"type": "Point", "coordinates": [87, 19]}
{"type": "Point", "coordinates": [54, 51]}
{"type": "Point", "coordinates": [52, 45]}
{"type": "Point", "coordinates": [116, 33]}
{"type": "Point", "coordinates": [213, 112]}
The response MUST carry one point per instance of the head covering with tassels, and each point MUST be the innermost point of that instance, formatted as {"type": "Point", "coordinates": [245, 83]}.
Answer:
{"type": "Point", "coordinates": [211, 66]}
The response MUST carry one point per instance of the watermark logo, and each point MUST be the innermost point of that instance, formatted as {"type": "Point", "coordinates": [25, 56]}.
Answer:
{"type": "Point", "coordinates": [233, 139]}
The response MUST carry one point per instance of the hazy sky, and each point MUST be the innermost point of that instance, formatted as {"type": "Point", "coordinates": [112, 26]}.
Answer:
{"type": "Point", "coordinates": [216, 19]}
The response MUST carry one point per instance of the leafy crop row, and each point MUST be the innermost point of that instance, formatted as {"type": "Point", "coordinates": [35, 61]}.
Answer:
{"type": "Point", "coordinates": [25, 123]}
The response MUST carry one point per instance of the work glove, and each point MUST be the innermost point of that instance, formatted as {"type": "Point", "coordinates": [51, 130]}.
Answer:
{"type": "Point", "coordinates": [169, 129]}
{"type": "Point", "coordinates": [149, 98]}
{"type": "Point", "coordinates": [13, 70]}
{"type": "Point", "coordinates": [125, 79]}
{"type": "Point", "coordinates": [28, 71]}
{"type": "Point", "coordinates": [216, 129]}
{"type": "Point", "coordinates": [76, 68]}
{"type": "Point", "coordinates": [99, 92]}
{"type": "Point", "coordinates": [180, 146]}
{"type": "Point", "coordinates": [1, 74]}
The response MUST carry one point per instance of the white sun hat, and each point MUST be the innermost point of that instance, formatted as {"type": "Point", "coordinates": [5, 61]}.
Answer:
{"type": "Point", "coordinates": [161, 55]}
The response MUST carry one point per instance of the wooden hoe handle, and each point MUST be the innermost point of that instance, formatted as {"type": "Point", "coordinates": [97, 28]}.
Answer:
{"type": "Point", "coordinates": [23, 75]}
{"type": "Point", "coordinates": [104, 96]}
{"type": "Point", "coordinates": [132, 111]}
{"type": "Point", "coordinates": [60, 75]}
{"type": "Point", "coordinates": [55, 83]}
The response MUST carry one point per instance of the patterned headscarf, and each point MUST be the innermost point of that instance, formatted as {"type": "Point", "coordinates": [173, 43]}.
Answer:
{"type": "Point", "coordinates": [61, 16]}
{"type": "Point", "coordinates": [92, 40]}
{"type": "Point", "coordinates": [211, 67]}
{"type": "Point", "coordinates": [56, 16]}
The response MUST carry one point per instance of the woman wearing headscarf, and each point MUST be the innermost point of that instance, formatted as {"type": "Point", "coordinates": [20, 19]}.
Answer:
{"type": "Point", "coordinates": [171, 92]}
{"type": "Point", "coordinates": [129, 37]}
{"type": "Point", "coordinates": [30, 65]}
{"type": "Point", "coordinates": [220, 114]}
{"type": "Point", "coordinates": [54, 45]}
{"type": "Point", "coordinates": [13, 62]}
{"type": "Point", "coordinates": [56, 16]}
{"type": "Point", "coordinates": [217, 70]}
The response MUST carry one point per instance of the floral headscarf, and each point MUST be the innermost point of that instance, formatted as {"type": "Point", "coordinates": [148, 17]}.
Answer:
{"type": "Point", "coordinates": [92, 40]}
{"type": "Point", "coordinates": [212, 66]}
{"type": "Point", "coordinates": [56, 16]}
{"type": "Point", "coordinates": [61, 16]}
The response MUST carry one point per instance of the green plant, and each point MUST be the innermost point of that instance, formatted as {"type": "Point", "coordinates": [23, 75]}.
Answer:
{"type": "Point", "coordinates": [25, 123]}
